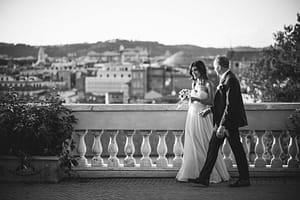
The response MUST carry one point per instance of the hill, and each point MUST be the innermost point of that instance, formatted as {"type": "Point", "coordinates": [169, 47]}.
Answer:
{"type": "Point", "coordinates": [156, 49]}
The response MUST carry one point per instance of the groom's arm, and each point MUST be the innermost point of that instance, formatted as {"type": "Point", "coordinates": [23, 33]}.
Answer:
{"type": "Point", "coordinates": [232, 90]}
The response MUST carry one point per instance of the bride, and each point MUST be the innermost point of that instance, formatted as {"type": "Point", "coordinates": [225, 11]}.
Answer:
{"type": "Point", "coordinates": [198, 130]}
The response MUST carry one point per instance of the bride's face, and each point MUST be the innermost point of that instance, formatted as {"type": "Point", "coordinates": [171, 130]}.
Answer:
{"type": "Point", "coordinates": [196, 73]}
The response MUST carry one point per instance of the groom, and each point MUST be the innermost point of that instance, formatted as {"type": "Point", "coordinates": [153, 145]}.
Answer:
{"type": "Point", "coordinates": [228, 115]}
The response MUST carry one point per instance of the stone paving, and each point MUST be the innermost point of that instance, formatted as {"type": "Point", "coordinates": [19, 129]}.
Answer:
{"type": "Point", "coordinates": [149, 188]}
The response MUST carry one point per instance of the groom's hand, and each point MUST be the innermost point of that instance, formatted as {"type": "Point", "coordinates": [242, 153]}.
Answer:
{"type": "Point", "coordinates": [204, 112]}
{"type": "Point", "coordinates": [220, 132]}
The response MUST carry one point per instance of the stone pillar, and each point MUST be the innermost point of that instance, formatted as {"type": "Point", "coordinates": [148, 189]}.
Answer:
{"type": "Point", "coordinates": [113, 149]}
{"type": "Point", "coordinates": [97, 161]}
{"type": "Point", "coordinates": [162, 149]}
{"type": "Point", "coordinates": [259, 150]}
{"type": "Point", "coordinates": [244, 134]}
{"type": "Point", "coordinates": [276, 161]}
{"type": "Point", "coordinates": [227, 151]}
{"type": "Point", "coordinates": [293, 151]}
{"type": "Point", "coordinates": [81, 148]}
{"type": "Point", "coordinates": [145, 149]}
{"type": "Point", "coordinates": [129, 149]}
{"type": "Point", "coordinates": [178, 149]}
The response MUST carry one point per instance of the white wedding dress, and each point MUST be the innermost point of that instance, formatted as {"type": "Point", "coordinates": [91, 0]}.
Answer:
{"type": "Point", "coordinates": [198, 131]}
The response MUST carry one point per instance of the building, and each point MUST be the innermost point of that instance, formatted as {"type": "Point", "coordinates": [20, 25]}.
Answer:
{"type": "Point", "coordinates": [41, 57]}
{"type": "Point", "coordinates": [110, 78]}
{"type": "Point", "coordinates": [28, 85]}
{"type": "Point", "coordinates": [240, 60]}
{"type": "Point", "coordinates": [138, 83]}
{"type": "Point", "coordinates": [156, 79]}
{"type": "Point", "coordinates": [135, 55]}
{"type": "Point", "coordinates": [66, 76]}
{"type": "Point", "coordinates": [114, 98]}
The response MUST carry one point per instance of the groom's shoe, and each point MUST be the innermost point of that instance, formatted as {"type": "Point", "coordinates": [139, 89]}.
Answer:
{"type": "Point", "coordinates": [240, 183]}
{"type": "Point", "coordinates": [198, 180]}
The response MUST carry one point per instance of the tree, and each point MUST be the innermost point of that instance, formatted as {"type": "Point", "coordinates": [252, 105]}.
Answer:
{"type": "Point", "coordinates": [276, 76]}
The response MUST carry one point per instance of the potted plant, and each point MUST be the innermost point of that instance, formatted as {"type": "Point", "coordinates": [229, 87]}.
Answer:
{"type": "Point", "coordinates": [28, 131]}
{"type": "Point", "coordinates": [294, 130]}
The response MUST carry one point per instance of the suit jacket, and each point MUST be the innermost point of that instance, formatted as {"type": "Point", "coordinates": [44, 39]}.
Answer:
{"type": "Point", "coordinates": [228, 109]}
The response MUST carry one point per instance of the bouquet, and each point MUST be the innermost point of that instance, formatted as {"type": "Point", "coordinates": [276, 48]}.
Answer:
{"type": "Point", "coordinates": [184, 96]}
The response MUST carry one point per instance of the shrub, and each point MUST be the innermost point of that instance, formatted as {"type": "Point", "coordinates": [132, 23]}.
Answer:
{"type": "Point", "coordinates": [294, 122]}
{"type": "Point", "coordinates": [38, 128]}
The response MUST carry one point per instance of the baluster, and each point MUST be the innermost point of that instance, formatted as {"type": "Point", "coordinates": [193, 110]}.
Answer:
{"type": "Point", "coordinates": [113, 149]}
{"type": "Point", "coordinates": [293, 151]}
{"type": "Point", "coordinates": [97, 161]}
{"type": "Point", "coordinates": [145, 149]}
{"type": "Point", "coordinates": [178, 149]}
{"type": "Point", "coordinates": [259, 150]}
{"type": "Point", "coordinates": [129, 149]}
{"type": "Point", "coordinates": [227, 151]}
{"type": "Point", "coordinates": [244, 134]}
{"type": "Point", "coordinates": [81, 148]}
{"type": "Point", "coordinates": [276, 150]}
{"type": "Point", "coordinates": [162, 149]}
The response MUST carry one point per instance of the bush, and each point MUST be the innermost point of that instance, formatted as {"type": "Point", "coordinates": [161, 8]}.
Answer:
{"type": "Point", "coordinates": [294, 122]}
{"type": "Point", "coordinates": [38, 128]}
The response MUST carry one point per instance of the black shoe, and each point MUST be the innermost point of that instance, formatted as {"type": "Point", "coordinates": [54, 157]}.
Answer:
{"type": "Point", "coordinates": [204, 182]}
{"type": "Point", "coordinates": [240, 183]}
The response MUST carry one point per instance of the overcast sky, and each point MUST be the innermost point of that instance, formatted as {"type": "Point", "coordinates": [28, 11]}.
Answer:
{"type": "Point", "coordinates": [206, 23]}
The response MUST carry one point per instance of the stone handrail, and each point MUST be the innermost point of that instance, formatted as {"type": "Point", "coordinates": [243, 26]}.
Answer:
{"type": "Point", "coordinates": [129, 130]}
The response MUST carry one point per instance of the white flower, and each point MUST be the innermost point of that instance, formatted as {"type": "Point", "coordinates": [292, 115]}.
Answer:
{"type": "Point", "coordinates": [184, 96]}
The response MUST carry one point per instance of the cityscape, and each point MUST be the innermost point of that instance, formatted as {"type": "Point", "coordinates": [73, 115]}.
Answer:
{"type": "Point", "coordinates": [118, 76]}
{"type": "Point", "coordinates": [110, 100]}
{"type": "Point", "coordinates": [94, 52]}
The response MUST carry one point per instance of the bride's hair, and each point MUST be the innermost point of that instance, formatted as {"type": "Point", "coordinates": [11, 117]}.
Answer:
{"type": "Point", "coordinates": [200, 66]}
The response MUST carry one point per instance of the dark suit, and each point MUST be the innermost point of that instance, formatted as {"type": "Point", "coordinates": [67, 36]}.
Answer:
{"type": "Point", "coordinates": [228, 111]}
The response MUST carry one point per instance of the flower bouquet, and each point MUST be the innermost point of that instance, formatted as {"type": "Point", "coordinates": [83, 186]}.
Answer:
{"type": "Point", "coordinates": [184, 96]}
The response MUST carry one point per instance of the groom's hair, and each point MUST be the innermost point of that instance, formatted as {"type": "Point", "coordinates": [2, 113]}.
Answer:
{"type": "Point", "coordinates": [222, 61]}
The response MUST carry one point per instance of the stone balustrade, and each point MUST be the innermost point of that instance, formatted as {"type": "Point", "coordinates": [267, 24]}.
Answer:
{"type": "Point", "coordinates": [150, 137]}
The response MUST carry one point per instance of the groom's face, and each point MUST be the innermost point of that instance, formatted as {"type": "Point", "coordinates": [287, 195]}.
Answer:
{"type": "Point", "coordinates": [217, 68]}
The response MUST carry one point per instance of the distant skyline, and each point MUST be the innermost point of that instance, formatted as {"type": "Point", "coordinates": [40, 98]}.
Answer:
{"type": "Point", "coordinates": [205, 23]}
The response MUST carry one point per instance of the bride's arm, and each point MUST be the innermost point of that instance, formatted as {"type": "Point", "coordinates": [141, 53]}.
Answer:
{"type": "Point", "coordinates": [210, 97]}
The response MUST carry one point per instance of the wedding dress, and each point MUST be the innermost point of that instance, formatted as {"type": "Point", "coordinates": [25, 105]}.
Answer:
{"type": "Point", "coordinates": [198, 131]}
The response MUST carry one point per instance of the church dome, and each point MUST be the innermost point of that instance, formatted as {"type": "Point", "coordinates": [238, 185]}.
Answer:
{"type": "Point", "coordinates": [180, 59]}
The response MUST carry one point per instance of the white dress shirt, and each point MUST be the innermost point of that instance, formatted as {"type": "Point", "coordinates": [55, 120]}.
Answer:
{"type": "Point", "coordinates": [223, 76]}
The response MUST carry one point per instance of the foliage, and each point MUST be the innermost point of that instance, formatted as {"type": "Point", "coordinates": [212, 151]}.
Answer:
{"type": "Point", "coordinates": [39, 128]}
{"type": "Point", "coordinates": [294, 122]}
{"type": "Point", "coordinates": [66, 158]}
{"type": "Point", "coordinates": [275, 78]}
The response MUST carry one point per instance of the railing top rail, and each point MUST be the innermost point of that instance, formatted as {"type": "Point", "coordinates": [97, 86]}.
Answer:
{"type": "Point", "coordinates": [172, 107]}
{"type": "Point", "coordinates": [262, 116]}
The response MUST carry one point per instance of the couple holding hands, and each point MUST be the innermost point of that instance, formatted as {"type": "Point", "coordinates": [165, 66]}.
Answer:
{"type": "Point", "coordinates": [211, 117]}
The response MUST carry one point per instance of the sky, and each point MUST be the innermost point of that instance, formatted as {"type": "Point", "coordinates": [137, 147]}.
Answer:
{"type": "Point", "coordinates": [205, 23]}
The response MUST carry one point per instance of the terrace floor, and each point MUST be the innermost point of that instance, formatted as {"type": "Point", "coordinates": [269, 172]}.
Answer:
{"type": "Point", "coordinates": [149, 188]}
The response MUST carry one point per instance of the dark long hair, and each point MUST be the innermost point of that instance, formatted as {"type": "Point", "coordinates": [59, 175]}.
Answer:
{"type": "Point", "coordinates": [200, 66]}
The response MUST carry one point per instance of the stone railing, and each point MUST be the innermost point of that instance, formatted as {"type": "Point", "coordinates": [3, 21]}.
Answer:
{"type": "Point", "coordinates": [142, 137]}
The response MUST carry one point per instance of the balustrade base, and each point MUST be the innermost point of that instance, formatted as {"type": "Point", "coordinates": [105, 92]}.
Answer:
{"type": "Point", "coordinates": [170, 171]}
